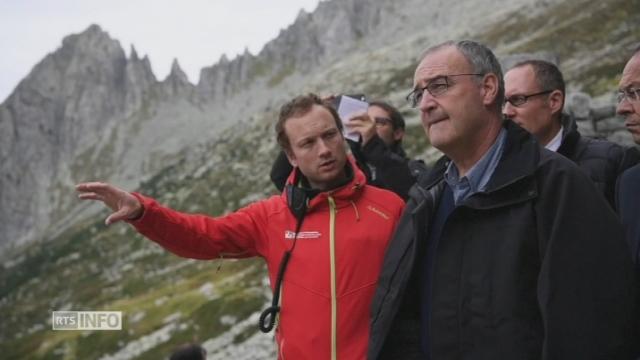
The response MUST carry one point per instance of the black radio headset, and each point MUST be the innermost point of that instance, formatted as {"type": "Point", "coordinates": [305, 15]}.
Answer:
{"type": "Point", "coordinates": [297, 202]}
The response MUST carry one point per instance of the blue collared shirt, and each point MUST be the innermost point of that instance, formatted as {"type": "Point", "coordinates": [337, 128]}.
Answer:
{"type": "Point", "coordinates": [478, 177]}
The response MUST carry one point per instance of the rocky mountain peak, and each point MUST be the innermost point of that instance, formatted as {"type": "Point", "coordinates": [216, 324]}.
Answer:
{"type": "Point", "coordinates": [302, 14]}
{"type": "Point", "coordinates": [141, 68]}
{"type": "Point", "coordinates": [313, 38]}
{"type": "Point", "coordinates": [214, 79]}
{"type": "Point", "coordinates": [90, 57]}
{"type": "Point", "coordinates": [177, 73]}
{"type": "Point", "coordinates": [67, 100]}
{"type": "Point", "coordinates": [133, 53]}
{"type": "Point", "coordinates": [177, 81]}
{"type": "Point", "coordinates": [92, 44]}
{"type": "Point", "coordinates": [139, 79]}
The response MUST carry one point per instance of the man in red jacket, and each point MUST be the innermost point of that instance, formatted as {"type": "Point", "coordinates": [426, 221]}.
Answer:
{"type": "Point", "coordinates": [328, 229]}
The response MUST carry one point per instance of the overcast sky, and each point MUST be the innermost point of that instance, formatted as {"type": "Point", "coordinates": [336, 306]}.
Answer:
{"type": "Point", "coordinates": [196, 32]}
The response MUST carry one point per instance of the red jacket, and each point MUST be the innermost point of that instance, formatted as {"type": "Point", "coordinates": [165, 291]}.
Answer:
{"type": "Point", "coordinates": [333, 270]}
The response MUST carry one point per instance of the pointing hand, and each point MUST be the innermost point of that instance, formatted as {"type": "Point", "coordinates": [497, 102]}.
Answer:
{"type": "Point", "coordinates": [124, 205]}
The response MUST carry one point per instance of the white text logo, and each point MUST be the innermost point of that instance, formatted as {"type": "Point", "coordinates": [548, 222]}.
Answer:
{"type": "Point", "coordinates": [86, 320]}
{"type": "Point", "coordinates": [302, 234]}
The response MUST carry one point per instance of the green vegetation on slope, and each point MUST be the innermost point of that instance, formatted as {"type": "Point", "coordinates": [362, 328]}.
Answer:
{"type": "Point", "coordinates": [576, 30]}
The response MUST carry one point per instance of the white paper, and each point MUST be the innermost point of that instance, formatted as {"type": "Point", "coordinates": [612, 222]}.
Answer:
{"type": "Point", "coordinates": [347, 108]}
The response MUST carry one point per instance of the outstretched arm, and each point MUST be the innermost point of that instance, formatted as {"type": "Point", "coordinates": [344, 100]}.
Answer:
{"type": "Point", "coordinates": [188, 235]}
{"type": "Point", "coordinates": [124, 205]}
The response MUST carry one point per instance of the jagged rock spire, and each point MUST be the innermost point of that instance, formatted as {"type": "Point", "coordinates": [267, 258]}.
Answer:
{"type": "Point", "coordinates": [133, 53]}
{"type": "Point", "coordinates": [177, 73]}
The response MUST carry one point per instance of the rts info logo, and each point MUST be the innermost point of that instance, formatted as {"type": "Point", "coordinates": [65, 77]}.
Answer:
{"type": "Point", "coordinates": [86, 320]}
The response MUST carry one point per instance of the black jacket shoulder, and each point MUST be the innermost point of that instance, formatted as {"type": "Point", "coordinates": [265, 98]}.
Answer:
{"type": "Point", "coordinates": [603, 161]}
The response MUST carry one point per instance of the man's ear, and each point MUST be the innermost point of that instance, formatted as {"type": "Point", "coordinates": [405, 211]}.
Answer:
{"type": "Point", "coordinates": [556, 101]}
{"type": "Point", "coordinates": [490, 85]}
{"type": "Point", "coordinates": [398, 134]}
{"type": "Point", "coordinates": [291, 157]}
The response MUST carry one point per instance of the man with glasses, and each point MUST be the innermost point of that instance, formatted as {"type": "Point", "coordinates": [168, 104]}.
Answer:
{"type": "Point", "coordinates": [628, 194]}
{"type": "Point", "coordinates": [535, 95]}
{"type": "Point", "coordinates": [505, 250]}
{"type": "Point", "coordinates": [381, 122]}
{"type": "Point", "coordinates": [381, 129]}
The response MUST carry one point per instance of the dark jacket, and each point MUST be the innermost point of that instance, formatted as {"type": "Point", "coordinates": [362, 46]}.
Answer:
{"type": "Point", "coordinates": [629, 208]}
{"type": "Point", "coordinates": [602, 160]}
{"type": "Point", "coordinates": [389, 167]}
{"type": "Point", "coordinates": [535, 267]}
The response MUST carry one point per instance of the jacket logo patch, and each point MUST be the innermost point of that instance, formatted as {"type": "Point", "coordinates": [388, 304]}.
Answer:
{"type": "Point", "coordinates": [379, 212]}
{"type": "Point", "coordinates": [302, 234]}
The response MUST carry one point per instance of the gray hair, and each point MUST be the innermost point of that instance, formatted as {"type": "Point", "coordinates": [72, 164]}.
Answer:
{"type": "Point", "coordinates": [481, 59]}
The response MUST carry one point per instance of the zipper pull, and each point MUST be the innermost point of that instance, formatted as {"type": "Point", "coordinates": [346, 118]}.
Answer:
{"type": "Point", "coordinates": [220, 258]}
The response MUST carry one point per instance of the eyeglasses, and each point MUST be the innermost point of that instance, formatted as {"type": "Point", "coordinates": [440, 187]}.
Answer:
{"type": "Point", "coordinates": [631, 94]}
{"type": "Point", "coordinates": [382, 121]}
{"type": "Point", "coordinates": [435, 87]}
{"type": "Point", "coordinates": [519, 100]}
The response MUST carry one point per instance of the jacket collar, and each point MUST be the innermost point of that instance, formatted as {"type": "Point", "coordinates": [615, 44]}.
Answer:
{"type": "Point", "coordinates": [570, 138]}
{"type": "Point", "coordinates": [519, 161]}
{"type": "Point", "coordinates": [342, 195]}
{"type": "Point", "coordinates": [397, 148]}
